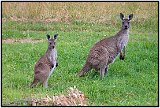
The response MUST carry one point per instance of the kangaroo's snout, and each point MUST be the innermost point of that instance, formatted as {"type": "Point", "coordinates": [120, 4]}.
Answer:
{"type": "Point", "coordinates": [51, 43]}
{"type": "Point", "coordinates": [125, 24]}
{"type": "Point", "coordinates": [126, 27]}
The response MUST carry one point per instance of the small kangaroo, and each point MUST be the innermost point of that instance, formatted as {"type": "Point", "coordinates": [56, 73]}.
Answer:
{"type": "Point", "coordinates": [105, 51]}
{"type": "Point", "coordinates": [46, 64]}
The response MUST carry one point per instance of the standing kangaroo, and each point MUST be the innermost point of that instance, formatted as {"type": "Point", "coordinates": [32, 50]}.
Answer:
{"type": "Point", "coordinates": [105, 51]}
{"type": "Point", "coordinates": [46, 64]}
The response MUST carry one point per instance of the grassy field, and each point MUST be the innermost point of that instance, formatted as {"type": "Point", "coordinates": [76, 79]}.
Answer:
{"type": "Point", "coordinates": [132, 82]}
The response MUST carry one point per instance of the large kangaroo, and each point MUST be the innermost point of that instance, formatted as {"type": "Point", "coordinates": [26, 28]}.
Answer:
{"type": "Point", "coordinates": [46, 64]}
{"type": "Point", "coordinates": [105, 51]}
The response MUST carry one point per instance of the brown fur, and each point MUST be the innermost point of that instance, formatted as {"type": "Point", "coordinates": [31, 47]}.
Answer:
{"type": "Point", "coordinates": [105, 51]}
{"type": "Point", "coordinates": [43, 68]}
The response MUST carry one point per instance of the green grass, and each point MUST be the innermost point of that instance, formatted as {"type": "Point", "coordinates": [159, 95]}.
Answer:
{"type": "Point", "coordinates": [133, 81]}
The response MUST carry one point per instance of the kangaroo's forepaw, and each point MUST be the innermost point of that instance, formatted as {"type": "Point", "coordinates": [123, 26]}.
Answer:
{"type": "Point", "coordinates": [121, 57]}
{"type": "Point", "coordinates": [56, 64]}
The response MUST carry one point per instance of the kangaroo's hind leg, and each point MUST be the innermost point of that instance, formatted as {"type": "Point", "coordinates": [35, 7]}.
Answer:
{"type": "Point", "coordinates": [106, 70]}
{"type": "Point", "coordinates": [45, 83]}
{"type": "Point", "coordinates": [102, 71]}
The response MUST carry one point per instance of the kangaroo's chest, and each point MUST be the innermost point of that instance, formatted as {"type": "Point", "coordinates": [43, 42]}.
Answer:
{"type": "Point", "coordinates": [122, 41]}
{"type": "Point", "coordinates": [53, 56]}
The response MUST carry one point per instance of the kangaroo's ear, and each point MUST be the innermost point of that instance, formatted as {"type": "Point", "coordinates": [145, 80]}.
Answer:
{"type": "Point", "coordinates": [130, 16]}
{"type": "Point", "coordinates": [121, 16]}
{"type": "Point", "coordinates": [48, 36]}
{"type": "Point", "coordinates": [55, 36]}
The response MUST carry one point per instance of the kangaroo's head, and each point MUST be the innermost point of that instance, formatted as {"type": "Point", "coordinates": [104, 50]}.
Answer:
{"type": "Point", "coordinates": [126, 21]}
{"type": "Point", "coordinates": [52, 41]}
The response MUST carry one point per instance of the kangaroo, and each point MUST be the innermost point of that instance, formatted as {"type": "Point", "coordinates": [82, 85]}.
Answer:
{"type": "Point", "coordinates": [105, 51]}
{"type": "Point", "coordinates": [46, 64]}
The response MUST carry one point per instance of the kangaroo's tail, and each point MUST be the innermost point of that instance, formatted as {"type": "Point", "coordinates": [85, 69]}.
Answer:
{"type": "Point", "coordinates": [34, 83]}
{"type": "Point", "coordinates": [84, 70]}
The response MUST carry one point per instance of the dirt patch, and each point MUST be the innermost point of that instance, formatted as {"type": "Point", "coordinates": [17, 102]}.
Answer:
{"type": "Point", "coordinates": [26, 40]}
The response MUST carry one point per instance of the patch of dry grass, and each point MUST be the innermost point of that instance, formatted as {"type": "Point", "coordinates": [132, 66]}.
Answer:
{"type": "Point", "coordinates": [97, 12]}
{"type": "Point", "coordinates": [25, 40]}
